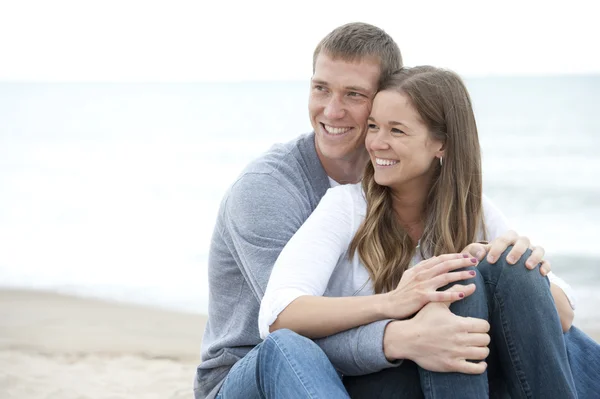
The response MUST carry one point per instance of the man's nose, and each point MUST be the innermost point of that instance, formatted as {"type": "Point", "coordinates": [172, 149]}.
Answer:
{"type": "Point", "coordinates": [334, 108]}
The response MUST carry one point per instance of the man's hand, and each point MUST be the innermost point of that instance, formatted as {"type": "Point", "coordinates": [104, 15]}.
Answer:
{"type": "Point", "coordinates": [438, 340]}
{"type": "Point", "coordinates": [520, 244]}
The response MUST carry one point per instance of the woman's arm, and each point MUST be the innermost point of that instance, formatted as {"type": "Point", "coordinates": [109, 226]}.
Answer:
{"type": "Point", "coordinates": [318, 316]}
{"type": "Point", "coordinates": [304, 267]}
{"type": "Point", "coordinates": [293, 298]}
{"type": "Point", "coordinates": [315, 317]}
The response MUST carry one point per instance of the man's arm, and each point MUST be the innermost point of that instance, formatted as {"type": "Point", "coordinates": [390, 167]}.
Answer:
{"type": "Point", "coordinates": [261, 216]}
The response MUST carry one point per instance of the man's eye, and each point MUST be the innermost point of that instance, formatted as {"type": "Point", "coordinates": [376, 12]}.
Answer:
{"type": "Point", "coordinates": [354, 94]}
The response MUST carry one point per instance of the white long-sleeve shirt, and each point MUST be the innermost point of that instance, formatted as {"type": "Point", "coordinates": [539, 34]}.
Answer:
{"type": "Point", "coordinates": [316, 262]}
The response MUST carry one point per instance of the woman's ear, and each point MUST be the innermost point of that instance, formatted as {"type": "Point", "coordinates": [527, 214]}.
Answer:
{"type": "Point", "coordinates": [441, 148]}
{"type": "Point", "coordinates": [441, 152]}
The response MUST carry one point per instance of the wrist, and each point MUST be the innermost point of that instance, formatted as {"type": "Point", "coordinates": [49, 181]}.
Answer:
{"type": "Point", "coordinates": [397, 340]}
{"type": "Point", "coordinates": [385, 306]}
{"type": "Point", "coordinates": [394, 306]}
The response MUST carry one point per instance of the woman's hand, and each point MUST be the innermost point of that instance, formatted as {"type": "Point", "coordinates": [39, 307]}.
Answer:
{"type": "Point", "coordinates": [419, 285]}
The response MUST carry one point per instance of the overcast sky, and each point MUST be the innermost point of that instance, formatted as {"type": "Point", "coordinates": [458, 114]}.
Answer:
{"type": "Point", "coordinates": [181, 40]}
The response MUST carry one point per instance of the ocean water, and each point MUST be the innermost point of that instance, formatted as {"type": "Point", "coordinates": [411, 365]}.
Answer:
{"type": "Point", "coordinates": [111, 190]}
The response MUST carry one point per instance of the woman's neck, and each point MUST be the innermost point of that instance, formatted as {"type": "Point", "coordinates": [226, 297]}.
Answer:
{"type": "Point", "coordinates": [409, 206]}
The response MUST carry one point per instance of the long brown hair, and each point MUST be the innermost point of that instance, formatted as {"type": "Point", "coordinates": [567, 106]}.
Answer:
{"type": "Point", "coordinates": [452, 212]}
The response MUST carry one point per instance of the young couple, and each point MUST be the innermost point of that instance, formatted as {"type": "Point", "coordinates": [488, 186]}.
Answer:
{"type": "Point", "coordinates": [372, 296]}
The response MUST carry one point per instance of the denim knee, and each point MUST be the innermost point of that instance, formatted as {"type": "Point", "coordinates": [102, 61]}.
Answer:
{"type": "Point", "coordinates": [517, 275]}
{"type": "Point", "coordinates": [287, 340]}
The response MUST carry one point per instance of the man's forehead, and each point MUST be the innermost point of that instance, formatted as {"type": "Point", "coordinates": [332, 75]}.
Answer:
{"type": "Point", "coordinates": [370, 62]}
{"type": "Point", "coordinates": [363, 72]}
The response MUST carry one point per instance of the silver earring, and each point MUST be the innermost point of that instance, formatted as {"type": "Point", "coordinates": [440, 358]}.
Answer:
{"type": "Point", "coordinates": [441, 161]}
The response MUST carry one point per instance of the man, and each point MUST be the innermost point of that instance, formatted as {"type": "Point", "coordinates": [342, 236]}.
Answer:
{"type": "Point", "coordinates": [277, 193]}
{"type": "Point", "coordinates": [266, 206]}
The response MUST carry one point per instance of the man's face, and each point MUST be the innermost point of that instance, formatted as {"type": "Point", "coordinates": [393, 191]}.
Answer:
{"type": "Point", "coordinates": [339, 105]}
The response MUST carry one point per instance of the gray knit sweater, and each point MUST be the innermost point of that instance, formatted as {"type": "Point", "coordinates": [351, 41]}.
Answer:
{"type": "Point", "coordinates": [261, 211]}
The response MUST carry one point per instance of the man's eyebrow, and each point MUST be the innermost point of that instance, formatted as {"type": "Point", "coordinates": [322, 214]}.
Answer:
{"type": "Point", "coordinates": [350, 88]}
{"type": "Point", "coordinates": [358, 88]}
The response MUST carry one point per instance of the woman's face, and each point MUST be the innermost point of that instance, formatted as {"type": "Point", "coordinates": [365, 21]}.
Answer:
{"type": "Point", "coordinates": [403, 153]}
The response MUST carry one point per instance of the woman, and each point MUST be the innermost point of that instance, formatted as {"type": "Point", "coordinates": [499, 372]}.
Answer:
{"type": "Point", "coordinates": [421, 196]}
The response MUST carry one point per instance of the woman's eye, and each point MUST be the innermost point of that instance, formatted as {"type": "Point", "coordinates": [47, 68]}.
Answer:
{"type": "Point", "coordinates": [397, 131]}
{"type": "Point", "coordinates": [372, 126]}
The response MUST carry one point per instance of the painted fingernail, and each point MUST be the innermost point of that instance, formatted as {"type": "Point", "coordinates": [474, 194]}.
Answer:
{"type": "Point", "coordinates": [466, 256]}
{"type": "Point", "coordinates": [461, 295]}
{"type": "Point", "coordinates": [474, 260]}
{"type": "Point", "coordinates": [472, 272]}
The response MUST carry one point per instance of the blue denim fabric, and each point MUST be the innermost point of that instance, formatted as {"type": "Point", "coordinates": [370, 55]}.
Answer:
{"type": "Point", "coordinates": [529, 352]}
{"type": "Point", "coordinates": [284, 365]}
{"type": "Point", "coordinates": [584, 358]}
{"type": "Point", "coordinates": [528, 355]}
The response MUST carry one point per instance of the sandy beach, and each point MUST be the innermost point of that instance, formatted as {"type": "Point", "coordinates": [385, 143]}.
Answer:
{"type": "Point", "coordinates": [57, 346]}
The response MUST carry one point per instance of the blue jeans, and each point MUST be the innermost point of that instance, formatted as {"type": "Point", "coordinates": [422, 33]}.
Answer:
{"type": "Point", "coordinates": [284, 365]}
{"type": "Point", "coordinates": [584, 359]}
{"type": "Point", "coordinates": [529, 355]}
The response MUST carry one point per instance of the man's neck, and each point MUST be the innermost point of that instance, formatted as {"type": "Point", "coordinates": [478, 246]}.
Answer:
{"type": "Point", "coordinates": [345, 171]}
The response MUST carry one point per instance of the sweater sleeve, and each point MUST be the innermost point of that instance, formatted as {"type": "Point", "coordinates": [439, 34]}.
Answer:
{"type": "Point", "coordinates": [496, 224]}
{"type": "Point", "coordinates": [262, 215]}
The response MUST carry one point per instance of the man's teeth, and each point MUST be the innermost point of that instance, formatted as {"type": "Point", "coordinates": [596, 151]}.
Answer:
{"type": "Point", "coordinates": [336, 130]}
{"type": "Point", "coordinates": [385, 162]}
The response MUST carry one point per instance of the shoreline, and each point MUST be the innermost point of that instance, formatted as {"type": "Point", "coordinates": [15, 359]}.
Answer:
{"type": "Point", "coordinates": [52, 323]}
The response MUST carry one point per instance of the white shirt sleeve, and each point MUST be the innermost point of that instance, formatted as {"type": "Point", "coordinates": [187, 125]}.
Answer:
{"type": "Point", "coordinates": [496, 224]}
{"type": "Point", "coordinates": [306, 263]}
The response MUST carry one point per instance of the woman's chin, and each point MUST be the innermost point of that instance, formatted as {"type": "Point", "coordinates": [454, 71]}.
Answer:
{"type": "Point", "coordinates": [382, 182]}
